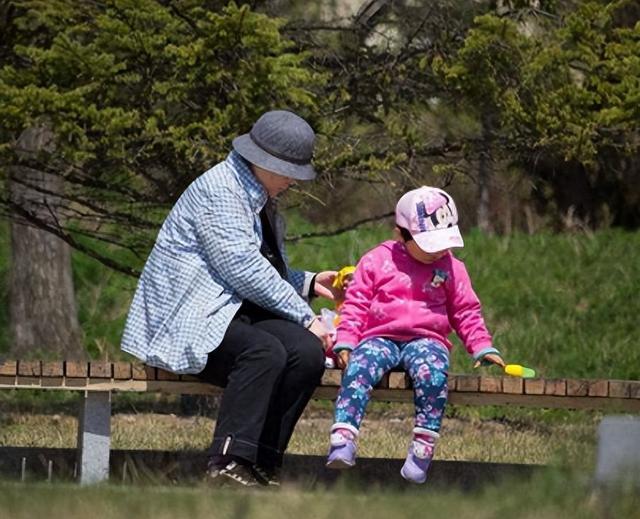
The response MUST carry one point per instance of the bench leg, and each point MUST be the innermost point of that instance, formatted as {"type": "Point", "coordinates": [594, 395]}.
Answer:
{"type": "Point", "coordinates": [94, 437]}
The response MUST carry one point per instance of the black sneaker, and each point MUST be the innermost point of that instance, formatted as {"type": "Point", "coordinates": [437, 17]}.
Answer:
{"type": "Point", "coordinates": [233, 474]}
{"type": "Point", "coordinates": [266, 477]}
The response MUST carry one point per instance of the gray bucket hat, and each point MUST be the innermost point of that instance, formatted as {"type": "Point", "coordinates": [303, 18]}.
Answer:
{"type": "Point", "coordinates": [280, 142]}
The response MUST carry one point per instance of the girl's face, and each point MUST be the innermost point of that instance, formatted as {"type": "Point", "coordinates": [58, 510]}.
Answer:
{"type": "Point", "coordinates": [417, 253]}
{"type": "Point", "coordinates": [423, 257]}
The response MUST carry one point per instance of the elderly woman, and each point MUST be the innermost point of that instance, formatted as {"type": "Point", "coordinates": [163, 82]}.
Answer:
{"type": "Point", "coordinates": [216, 298]}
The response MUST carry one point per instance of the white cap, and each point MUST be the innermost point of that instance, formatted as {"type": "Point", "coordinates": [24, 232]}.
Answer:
{"type": "Point", "coordinates": [430, 215]}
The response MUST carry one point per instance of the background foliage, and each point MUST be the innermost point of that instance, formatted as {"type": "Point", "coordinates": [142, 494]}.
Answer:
{"type": "Point", "coordinates": [535, 104]}
{"type": "Point", "coordinates": [143, 97]}
{"type": "Point", "coordinates": [526, 110]}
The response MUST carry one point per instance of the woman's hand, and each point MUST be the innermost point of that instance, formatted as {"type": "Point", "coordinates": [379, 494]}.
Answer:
{"type": "Point", "coordinates": [318, 329]}
{"type": "Point", "coordinates": [323, 286]}
{"type": "Point", "coordinates": [342, 358]}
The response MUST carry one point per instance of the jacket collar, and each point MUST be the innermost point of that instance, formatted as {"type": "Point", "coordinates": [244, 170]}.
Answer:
{"type": "Point", "coordinates": [254, 189]}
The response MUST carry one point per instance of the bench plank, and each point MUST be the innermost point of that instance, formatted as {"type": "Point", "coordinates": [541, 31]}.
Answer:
{"type": "Point", "coordinates": [122, 370]}
{"type": "Point", "coordinates": [547, 401]}
{"type": "Point", "coordinates": [555, 387]}
{"type": "Point", "coordinates": [29, 368]}
{"type": "Point", "coordinates": [624, 388]}
{"type": "Point", "coordinates": [142, 372]}
{"type": "Point", "coordinates": [491, 384]}
{"type": "Point", "coordinates": [33, 382]}
{"type": "Point", "coordinates": [623, 395]}
{"type": "Point", "coordinates": [534, 386]}
{"type": "Point", "coordinates": [100, 369]}
{"type": "Point", "coordinates": [466, 383]}
{"type": "Point", "coordinates": [166, 375]}
{"type": "Point", "coordinates": [331, 377]}
{"type": "Point", "coordinates": [75, 369]}
{"type": "Point", "coordinates": [513, 385]}
{"type": "Point", "coordinates": [52, 369]}
{"type": "Point", "coordinates": [577, 387]}
{"type": "Point", "coordinates": [598, 388]}
{"type": "Point", "coordinates": [399, 380]}
{"type": "Point", "coordinates": [9, 368]}
{"type": "Point", "coordinates": [52, 382]}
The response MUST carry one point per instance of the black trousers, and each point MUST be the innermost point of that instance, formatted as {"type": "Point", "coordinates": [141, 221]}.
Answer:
{"type": "Point", "coordinates": [269, 368]}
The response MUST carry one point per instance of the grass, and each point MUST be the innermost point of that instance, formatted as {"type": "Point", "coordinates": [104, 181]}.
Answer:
{"type": "Point", "coordinates": [551, 495]}
{"type": "Point", "coordinates": [466, 435]}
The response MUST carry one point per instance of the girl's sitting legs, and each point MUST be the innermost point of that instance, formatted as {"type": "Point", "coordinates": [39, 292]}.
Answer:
{"type": "Point", "coordinates": [427, 363]}
{"type": "Point", "coordinates": [367, 365]}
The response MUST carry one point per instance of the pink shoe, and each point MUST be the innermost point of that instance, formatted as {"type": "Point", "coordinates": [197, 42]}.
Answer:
{"type": "Point", "coordinates": [419, 457]}
{"type": "Point", "coordinates": [342, 451]}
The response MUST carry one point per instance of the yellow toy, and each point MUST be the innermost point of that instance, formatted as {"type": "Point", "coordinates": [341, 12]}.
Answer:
{"type": "Point", "coordinates": [331, 318]}
{"type": "Point", "coordinates": [516, 370]}
{"type": "Point", "coordinates": [341, 277]}
{"type": "Point", "coordinates": [338, 282]}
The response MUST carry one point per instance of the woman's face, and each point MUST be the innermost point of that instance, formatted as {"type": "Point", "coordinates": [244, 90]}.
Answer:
{"type": "Point", "coordinates": [273, 183]}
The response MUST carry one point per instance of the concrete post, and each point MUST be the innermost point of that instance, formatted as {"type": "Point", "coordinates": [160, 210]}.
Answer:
{"type": "Point", "coordinates": [94, 437]}
{"type": "Point", "coordinates": [618, 451]}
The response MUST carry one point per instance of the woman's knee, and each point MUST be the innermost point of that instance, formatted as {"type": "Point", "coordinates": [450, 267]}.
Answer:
{"type": "Point", "coordinates": [270, 352]}
{"type": "Point", "coordinates": [303, 349]}
{"type": "Point", "coordinates": [311, 359]}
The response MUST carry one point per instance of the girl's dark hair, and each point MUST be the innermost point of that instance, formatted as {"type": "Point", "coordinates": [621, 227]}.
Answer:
{"type": "Point", "coordinates": [406, 235]}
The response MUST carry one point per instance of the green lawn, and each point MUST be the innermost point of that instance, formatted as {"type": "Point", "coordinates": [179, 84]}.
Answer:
{"type": "Point", "coordinates": [550, 495]}
{"type": "Point", "coordinates": [472, 434]}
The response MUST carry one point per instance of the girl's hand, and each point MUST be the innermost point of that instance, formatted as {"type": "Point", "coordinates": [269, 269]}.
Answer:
{"type": "Point", "coordinates": [342, 358]}
{"type": "Point", "coordinates": [494, 358]}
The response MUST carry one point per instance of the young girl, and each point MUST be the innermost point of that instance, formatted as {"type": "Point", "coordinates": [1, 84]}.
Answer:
{"type": "Point", "coordinates": [405, 298]}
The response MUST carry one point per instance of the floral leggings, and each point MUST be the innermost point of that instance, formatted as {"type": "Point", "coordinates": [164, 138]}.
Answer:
{"type": "Point", "coordinates": [425, 360]}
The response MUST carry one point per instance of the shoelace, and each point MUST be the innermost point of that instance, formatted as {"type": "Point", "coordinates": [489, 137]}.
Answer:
{"type": "Point", "coordinates": [235, 471]}
{"type": "Point", "coordinates": [269, 477]}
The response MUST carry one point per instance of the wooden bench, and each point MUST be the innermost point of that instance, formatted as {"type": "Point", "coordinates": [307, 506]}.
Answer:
{"type": "Point", "coordinates": [97, 380]}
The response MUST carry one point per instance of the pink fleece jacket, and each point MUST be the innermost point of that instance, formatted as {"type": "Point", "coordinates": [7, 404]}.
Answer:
{"type": "Point", "coordinates": [392, 295]}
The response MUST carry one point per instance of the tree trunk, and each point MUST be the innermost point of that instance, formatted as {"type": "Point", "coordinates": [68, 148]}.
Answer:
{"type": "Point", "coordinates": [485, 170]}
{"type": "Point", "coordinates": [42, 307]}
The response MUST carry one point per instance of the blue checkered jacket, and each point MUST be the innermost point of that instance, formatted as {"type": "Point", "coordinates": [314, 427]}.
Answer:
{"type": "Point", "coordinates": [205, 262]}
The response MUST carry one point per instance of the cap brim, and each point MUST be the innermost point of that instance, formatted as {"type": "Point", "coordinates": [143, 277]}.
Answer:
{"type": "Point", "coordinates": [440, 239]}
{"type": "Point", "coordinates": [251, 152]}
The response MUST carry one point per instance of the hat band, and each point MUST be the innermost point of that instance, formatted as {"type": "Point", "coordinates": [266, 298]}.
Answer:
{"type": "Point", "coordinates": [276, 154]}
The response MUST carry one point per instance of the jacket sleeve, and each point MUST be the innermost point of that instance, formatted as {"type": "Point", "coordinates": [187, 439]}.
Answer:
{"type": "Point", "coordinates": [355, 309]}
{"type": "Point", "coordinates": [224, 226]}
{"type": "Point", "coordinates": [465, 312]}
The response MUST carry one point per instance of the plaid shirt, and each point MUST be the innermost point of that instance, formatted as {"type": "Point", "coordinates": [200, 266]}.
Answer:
{"type": "Point", "coordinates": [205, 262]}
